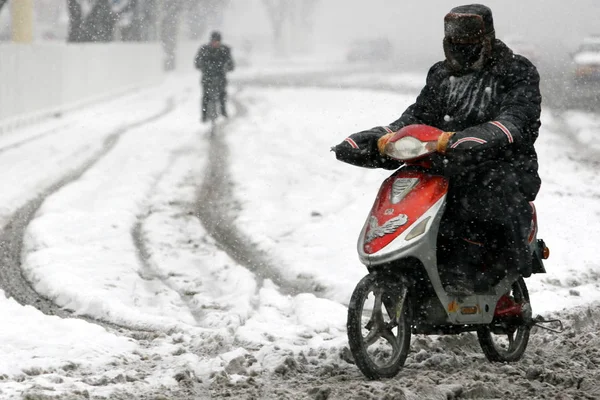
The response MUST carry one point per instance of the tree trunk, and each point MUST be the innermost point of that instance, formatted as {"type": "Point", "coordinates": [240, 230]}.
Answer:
{"type": "Point", "coordinates": [168, 31]}
{"type": "Point", "coordinates": [100, 24]}
{"type": "Point", "coordinates": [279, 13]}
{"type": "Point", "coordinates": [75, 21]}
{"type": "Point", "coordinates": [149, 11]}
{"type": "Point", "coordinates": [200, 15]}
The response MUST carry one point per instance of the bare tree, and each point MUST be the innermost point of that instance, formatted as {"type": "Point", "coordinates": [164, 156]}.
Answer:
{"type": "Point", "coordinates": [291, 19]}
{"type": "Point", "coordinates": [98, 25]}
{"type": "Point", "coordinates": [302, 28]}
{"type": "Point", "coordinates": [132, 31]}
{"type": "Point", "coordinates": [168, 30]}
{"type": "Point", "coordinates": [75, 21]}
{"type": "Point", "coordinates": [148, 16]}
{"type": "Point", "coordinates": [202, 15]}
{"type": "Point", "coordinates": [279, 12]}
{"type": "Point", "coordinates": [143, 18]}
{"type": "Point", "coordinates": [95, 20]}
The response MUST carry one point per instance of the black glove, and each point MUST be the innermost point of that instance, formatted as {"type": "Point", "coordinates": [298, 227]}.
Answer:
{"type": "Point", "coordinates": [360, 149]}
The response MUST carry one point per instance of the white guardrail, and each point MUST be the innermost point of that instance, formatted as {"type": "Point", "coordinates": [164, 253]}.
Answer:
{"type": "Point", "coordinates": [41, 80]}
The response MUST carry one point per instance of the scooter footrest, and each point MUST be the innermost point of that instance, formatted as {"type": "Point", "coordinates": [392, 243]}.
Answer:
{"type": "Point", "coordinates": [539, 321]}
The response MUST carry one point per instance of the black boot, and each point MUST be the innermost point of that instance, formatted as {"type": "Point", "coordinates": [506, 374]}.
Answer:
{"type": "Point", "coordinates": [459, 286]}
{"type": "Point", "coordinates": [459, 275]}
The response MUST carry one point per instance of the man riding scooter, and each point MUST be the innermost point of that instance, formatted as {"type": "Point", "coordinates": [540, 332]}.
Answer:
{"type": "Point", "coordinates": [487, 101]}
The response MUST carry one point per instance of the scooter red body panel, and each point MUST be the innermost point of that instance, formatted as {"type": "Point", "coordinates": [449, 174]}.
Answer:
{"type": "Point", "coordinates": [395, 212]}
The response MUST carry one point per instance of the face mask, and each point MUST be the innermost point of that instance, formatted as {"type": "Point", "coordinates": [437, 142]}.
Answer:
{"type": "Point", "coordinates": [466, 54]}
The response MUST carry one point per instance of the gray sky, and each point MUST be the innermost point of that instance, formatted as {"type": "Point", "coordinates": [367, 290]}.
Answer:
{"type": "Point", "coordinates": [416, 26]}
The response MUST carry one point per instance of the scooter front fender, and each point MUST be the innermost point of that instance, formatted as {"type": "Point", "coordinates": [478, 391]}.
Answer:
{"type": "Point", "coordinates": [404, 218]}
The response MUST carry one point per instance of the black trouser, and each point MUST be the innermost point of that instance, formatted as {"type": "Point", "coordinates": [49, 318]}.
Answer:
{"type": "Point", "coordinates": [214, 85]}
{"type": "Point", "coordinates": [485, 228]}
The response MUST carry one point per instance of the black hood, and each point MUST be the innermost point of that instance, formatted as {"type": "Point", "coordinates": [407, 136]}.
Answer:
{"type": "Point", "coordinates": [469, 37]}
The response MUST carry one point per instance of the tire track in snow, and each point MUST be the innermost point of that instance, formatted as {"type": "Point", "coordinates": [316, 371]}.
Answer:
{"type": "Point", "coordinates": [12, 280]}
{"type": "Point", "coordinates": [33, 138]}
{"type": "Point", "coordinates": [144, 255]}
{"type": "Point", "coordinates": [128, 95]}
{"type": "Point", "coordinates": [216, 207]}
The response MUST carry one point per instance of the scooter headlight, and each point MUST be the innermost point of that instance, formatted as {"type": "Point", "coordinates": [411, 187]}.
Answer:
{"type": "Point", "coordinates": [408, 148]}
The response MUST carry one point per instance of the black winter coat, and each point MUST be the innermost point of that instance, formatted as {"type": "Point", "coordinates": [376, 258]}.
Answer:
{"type": "Point", "coordinates": [214, 62]}
{"type": "Point", "coordinates": [495, 113]}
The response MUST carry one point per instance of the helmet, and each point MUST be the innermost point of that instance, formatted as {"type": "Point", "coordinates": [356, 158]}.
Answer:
{"type": "Point", "coordinates": [468, 37]}
{"type": "Point", "coordinates": [215, 36]}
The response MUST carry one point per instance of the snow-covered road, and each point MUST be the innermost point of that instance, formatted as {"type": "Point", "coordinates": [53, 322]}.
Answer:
{"type": "Point", "coordinates": [115, 228]}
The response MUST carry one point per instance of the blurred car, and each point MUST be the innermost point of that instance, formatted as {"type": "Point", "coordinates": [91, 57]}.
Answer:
{"type": "Point", "coordinates": [587, 59]}
{"type": "Point", "coordinates": [522, 47]}
{"type": "Point", "coordinates": [378, 49]}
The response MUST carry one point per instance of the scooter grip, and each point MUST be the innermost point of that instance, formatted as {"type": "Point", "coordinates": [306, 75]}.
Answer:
{"type": "Point", "coordinates": [360, 149]}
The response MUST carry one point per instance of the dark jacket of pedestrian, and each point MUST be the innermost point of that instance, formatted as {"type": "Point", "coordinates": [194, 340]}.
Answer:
{"type": "Point", "coordinates": [214, 61]}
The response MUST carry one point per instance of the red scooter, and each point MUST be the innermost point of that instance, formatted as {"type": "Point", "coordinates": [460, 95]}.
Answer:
{"type": "Point", "coordinates": [403, 292]}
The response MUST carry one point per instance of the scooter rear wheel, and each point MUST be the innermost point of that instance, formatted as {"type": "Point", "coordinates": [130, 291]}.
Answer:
{"type": "Point", "coordinates": [507, 341]}
{"type": "Point", "coordinates": [379, 321]}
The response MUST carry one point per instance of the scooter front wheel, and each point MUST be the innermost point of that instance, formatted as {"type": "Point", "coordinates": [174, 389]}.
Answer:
{"type": "Point", "coordinates": [379, 321]}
